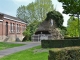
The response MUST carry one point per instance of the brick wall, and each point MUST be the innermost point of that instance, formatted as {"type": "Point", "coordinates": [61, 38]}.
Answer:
{"type": "Point", "coordinates": [8, 35]}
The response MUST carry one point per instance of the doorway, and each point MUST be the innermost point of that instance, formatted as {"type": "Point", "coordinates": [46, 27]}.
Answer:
{"type": "Point", "coordinates": [6, 28]}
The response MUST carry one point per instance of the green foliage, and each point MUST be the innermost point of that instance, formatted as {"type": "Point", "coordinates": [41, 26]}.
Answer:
{"type": "Point", "coordinates": [31, 28]}
{"type": "Point", "coordinates": [68, 53]}
{"type": "Point", "coordinates": [64, 32]}
{"type": "Point", "coordinates": [57, 16]}
{"type": "Point", "coordinates": [72, 7]}
{"type": "Point", "coordinates": [68, 6]}
{"type": "Point", "coordinates": [27, 33]}
{"type": "Point", "coordinates": [33, 14]}
{"type": "Point", "coordinates": [35, 11]}
{"type": "Point", "coordinates": [71, 38]}
{"type": "Point", "coordinates": [43, 7]}
{"type": "Point", "coordinates": [21, 13]}
{"type": "Point", "coordinates": [59, 43]}
{"type": "Point", "coordinates": [72, 28]}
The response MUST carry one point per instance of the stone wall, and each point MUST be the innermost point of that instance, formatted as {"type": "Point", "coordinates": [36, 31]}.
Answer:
{"type": "Point", "coordinates": [11, 38]}
{"type": "Point", "coordinates": [56, 34]}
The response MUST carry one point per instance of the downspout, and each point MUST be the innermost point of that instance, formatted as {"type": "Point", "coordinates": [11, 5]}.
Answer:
{"type": "Point", "coordinates": [2, 30]}
{"type": "Point", "coordinates": [15, 30]}
{"type": "Point", "coordinates": [2, 25]}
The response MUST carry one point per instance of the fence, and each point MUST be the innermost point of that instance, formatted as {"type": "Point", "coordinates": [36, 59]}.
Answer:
{"type": "Point", "coordinates": [40, 37]}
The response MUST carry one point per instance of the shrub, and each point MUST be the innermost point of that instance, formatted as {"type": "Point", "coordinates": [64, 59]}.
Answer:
{"type": "Point", "coordinates": [69, 53]}
{"type": "Point", "coordinates": [26, 39]}
{"type": "Point", "coordinates": [59, 43]}
{"type": "Point", "coordinates": [71, 37]}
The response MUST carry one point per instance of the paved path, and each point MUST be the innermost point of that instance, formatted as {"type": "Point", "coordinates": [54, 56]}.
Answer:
{"type": "Point", "coordinates": [20, 48]}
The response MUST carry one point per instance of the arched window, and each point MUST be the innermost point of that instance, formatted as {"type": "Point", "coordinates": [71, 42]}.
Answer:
{"type": "Point", "coordinates": [11, 27]}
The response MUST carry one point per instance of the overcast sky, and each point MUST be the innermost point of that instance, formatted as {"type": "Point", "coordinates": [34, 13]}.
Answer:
{"type": "Point", "coordinates": [10, 6]}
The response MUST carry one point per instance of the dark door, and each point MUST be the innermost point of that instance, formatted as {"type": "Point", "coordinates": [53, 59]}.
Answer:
{"type": "Point", "coordinates": [6, 28]}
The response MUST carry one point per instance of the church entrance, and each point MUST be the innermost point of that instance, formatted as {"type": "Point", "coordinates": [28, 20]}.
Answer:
{"type": "Point", "coordinates": [41, 35]}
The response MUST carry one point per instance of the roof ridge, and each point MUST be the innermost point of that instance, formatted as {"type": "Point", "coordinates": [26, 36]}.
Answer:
{"type": "Point", "coordinates": [12, 17]}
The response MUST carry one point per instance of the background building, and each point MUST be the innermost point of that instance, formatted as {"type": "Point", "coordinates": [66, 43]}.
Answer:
{"type": "Point", "coordinates": [11, 28]}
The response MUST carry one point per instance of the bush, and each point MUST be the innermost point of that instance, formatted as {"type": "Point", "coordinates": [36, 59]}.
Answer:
{"type": "Point", "coordinates": [59, 43]}
{"type": "Point", "coordinates": [71, 37]}
{"type": "Point", "coordinates": [69, 53]}
{"type": "Point", "coordinates": [26, 39]}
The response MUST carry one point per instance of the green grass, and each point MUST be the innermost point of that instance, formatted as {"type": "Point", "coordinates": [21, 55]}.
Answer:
{"type": "Point", "coordinates": [36, 53]}
{"type": "Point", "coordinates": [5, 45]}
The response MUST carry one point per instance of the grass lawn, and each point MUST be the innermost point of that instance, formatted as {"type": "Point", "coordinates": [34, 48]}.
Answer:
{"type": "Point", "coordinates": [5, 45]}
{"type": "Point", "coordinates": [36, 53]}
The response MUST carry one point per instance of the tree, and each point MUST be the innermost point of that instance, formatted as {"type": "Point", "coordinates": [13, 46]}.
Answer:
{"type": "Point", "coordinates": [21, 13]}
{"type": "Point", "coordinates": [72, 7]}
{"type": "Point", "coordinates": [72, 28]}
{"type": "Point", "coordinates": [31, 28]}
{"type": "Point", "coordinates": [35, 11]}
{"type": "Point", "coordinates": [68, 6]}
{"type": "Point", "coordinates": [27, 34]}
{"type": "Point", "coordinates": [57, 16]}
{"type": "Point", "coordinates": [42, 8]}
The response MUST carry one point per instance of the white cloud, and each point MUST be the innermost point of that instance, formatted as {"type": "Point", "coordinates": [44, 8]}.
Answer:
{"type": "Point", "coordinates": [66, 17]}
{"type": "Point", "coordinates": [60, 9]}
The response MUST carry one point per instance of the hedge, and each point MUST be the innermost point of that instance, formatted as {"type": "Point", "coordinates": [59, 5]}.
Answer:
{"type": "Point", "coordinates": [59, 43]}
{"type": "Point", "coordinates": [69, 53]}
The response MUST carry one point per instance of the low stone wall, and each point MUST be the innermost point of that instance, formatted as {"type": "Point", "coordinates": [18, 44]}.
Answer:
{"type": "Point", "coordinates": [11, 38]}
{"type": "Point", "coordinates": [2, 38]}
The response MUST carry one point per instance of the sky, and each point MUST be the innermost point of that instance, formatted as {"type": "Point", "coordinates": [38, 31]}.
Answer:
{"type": "Point", "coordinates": [10, 7]}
